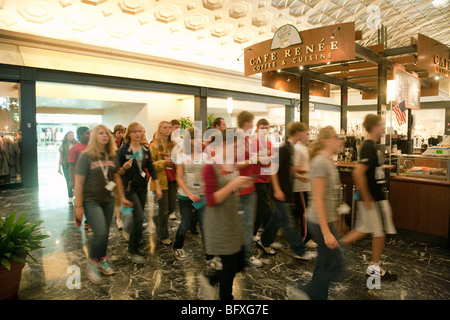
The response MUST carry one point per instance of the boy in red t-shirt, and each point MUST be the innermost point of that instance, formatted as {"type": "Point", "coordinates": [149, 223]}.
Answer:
{"type": "Point", "coordinates": [262, 179]}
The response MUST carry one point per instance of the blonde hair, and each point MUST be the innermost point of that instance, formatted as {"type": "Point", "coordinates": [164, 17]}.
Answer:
{"type": "Point", "coordinates": [131, 127]}
{"type": "Point", "coordinates": [164, 147]}
{"type": "Point", "coordinates": [327, 132]}
{"type": "Point", "coordinates": [92, 149]}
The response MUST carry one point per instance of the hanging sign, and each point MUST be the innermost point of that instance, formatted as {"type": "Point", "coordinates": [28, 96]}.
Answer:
{"type": "Point", "coordinates": [408, 87]}
{"type": "Point", "coordinates": [291, 48]}
{"type": "Point", "coordinates": [433, 55]}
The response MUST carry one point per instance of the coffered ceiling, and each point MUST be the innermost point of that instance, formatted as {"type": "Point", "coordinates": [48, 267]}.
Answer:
{"type": "Point", "coordinates": [215, 32]}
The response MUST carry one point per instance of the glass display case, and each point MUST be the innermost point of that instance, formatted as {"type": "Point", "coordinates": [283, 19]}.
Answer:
{"type": "Point", "coordinates": [424, 167]}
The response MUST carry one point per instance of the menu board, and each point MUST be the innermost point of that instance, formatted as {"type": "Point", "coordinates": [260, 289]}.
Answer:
{"type": "Point", "coordinates": [408, 88]}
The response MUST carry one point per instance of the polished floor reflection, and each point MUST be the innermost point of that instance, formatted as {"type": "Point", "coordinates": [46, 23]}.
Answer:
{"type": "Point", "coordinates": [423, 269]}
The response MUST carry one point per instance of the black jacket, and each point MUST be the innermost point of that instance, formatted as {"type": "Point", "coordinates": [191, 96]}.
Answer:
{"type": "Point", "coordinates": [132, 179]}
{"type": "Point", "coordinates": [285, 177]}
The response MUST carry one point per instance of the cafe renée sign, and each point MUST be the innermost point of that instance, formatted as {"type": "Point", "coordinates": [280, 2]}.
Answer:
{"type": "Point", "coordinates": [433, 55]}
{"type": "Point", "coordinates": [291, 48]}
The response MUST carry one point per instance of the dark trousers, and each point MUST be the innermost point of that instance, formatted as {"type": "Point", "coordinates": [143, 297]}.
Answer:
{"type": "Point", "coordinates": [232, 264]}
{"type": "Point", "coordinates": [172, 194]}
{"type": "Point", "coordinates": [65, 168]}
{"type": "Point", "coordinates": [329, 264]}
{"type": "Point", "coordinates": [138, 197]}
{"type": "Point", "coordinates": [263, 207]}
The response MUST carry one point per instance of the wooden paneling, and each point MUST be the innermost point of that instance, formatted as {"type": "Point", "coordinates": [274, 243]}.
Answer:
{"type": "Point", "coordinates": [420, 207]}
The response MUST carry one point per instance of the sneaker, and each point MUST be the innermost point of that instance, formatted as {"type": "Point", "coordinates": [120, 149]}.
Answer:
{"type": "Point", "coordinates": [256, 238]}
{"type": "Point", "coordinates": [166, 242]}
{"type": "Point", "coordinates": [214, 263]}
{"type": "Point", "coordinates": [254, 261]}
{"type": "Point", "coordinates": [137, 258]}
{"type": "Point", "coordinates": [93, 272]}
{"type": "Point", "coordinates": [173, 216]}
{"type": "Point", "coordinates": [207, 291]}
{"type": "Point", "coordinates": [105, 268]}
{"type": "Point", "coordinates": [377, 270]}
{"type": "Point", "coordinates": [276, 245]}
{"type": "Point", "coordinates": [307, 256]}
{"type": "Point", "coordinates": [296, 294]}
{"type": "Point", "coordinates": [87, 227]}
{"type": "Point", "coordinates": [267, 250]}
{"type": "Point", "coordinates": [119, 224]}
{"type": "Point", "coordinates": [311, 245]}
{"type": "Point", "coordinates": [179, 254]}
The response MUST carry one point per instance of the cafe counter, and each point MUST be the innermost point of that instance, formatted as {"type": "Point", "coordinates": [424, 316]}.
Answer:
{"type": "Point", "coordinates": [419, 204]}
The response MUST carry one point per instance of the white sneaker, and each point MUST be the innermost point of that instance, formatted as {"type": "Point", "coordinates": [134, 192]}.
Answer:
{"type": "Point", "coordinates": [254, 262]}
{"type": "Point", "coordinates": [296, 294]}
{"type": "Point", "coordinates": [215, 263]}
{"type": "Point", "coordinates": [207, 291]}
{"type": "Point", "coordinates": [276, 246]}
{"type": "Point", "coordinates": [307, 256]}
{"type": "Point", "coordinates": [166, 242]}
{"type": "Point", "coordinates": [180, 254]}
{"type": "Point", "coordinates": [137, 258]}
{"type": "Point", "coordinates": [119, 224]}
{"type": "Point", "coordinates": [256, 238]}
{"type": "Point", "coordinates": [173, 216]}
{"type": "Point", "coordinates": [311, 245]}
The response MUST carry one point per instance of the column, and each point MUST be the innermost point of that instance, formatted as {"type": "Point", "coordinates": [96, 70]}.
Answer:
{"type": "Point", "coordinates": [344, 108]}
{"type": "Point", "coordinates": [201, 107]}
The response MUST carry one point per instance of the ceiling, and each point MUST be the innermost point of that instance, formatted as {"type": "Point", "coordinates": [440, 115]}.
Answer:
{"type": "Point", "coordinates": [215, 32]}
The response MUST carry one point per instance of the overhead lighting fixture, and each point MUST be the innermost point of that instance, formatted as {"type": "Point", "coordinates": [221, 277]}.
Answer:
{"type": "Point", "coordinates": [328, 62]}
{"type": "Point", "coordinates": [332, 35]}
{"type": "Point", "coordinates": [436, 78]}
{"type": "Point", "coordinates": [279, 70]}
{"type": "Point", "coordinates": [391, 92]}
{"type": "Point", "coordinates": [230, 105]}
{"type": "Point", "coordinates": [301, 67]}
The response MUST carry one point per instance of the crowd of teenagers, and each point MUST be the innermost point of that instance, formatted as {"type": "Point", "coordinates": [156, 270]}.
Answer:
{"type": "Point", "coordinates": [239, 205]}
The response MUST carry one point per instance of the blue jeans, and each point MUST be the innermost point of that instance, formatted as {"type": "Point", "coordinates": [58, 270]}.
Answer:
{"type": "Point", "coordinates": [162, 219]}
{"type": "Point", "coordinates": [329, 264]}
{"type": "Point", "coordinates": [188, 214]}
{"type": "Point", "coordinates": [248, 202]}
{"type": "Point", "coordinates": [282, 217]}
{"type": "Point", "coordinates": [99, 216]}
{"type": "Point", "coordinates": [138, 197]}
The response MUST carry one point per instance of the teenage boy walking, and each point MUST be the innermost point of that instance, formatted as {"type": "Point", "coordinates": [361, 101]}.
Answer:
{"type": "Point", "coordinates": [282, 182]}
{"type": "Point", "coordinates": [374, 211]}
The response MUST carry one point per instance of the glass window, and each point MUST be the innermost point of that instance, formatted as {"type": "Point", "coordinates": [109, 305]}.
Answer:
{"type": "Point", "coordinates": [10, 134]}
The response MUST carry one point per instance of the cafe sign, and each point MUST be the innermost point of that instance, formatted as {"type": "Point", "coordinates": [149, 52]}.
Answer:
{"type": "Point", "coordinates": [433, 55]}
{"type": "Point", "coordinates": [291, 48]}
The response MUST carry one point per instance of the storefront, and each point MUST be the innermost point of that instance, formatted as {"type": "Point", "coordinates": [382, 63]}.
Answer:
{"type": "Point", "coordinates": [293, 61]}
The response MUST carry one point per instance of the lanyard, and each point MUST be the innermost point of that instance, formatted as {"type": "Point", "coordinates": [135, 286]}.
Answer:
{"type": "Point", "coordinates": [104, 168]}
{"type": "Point", "coordinates": [140, 158]}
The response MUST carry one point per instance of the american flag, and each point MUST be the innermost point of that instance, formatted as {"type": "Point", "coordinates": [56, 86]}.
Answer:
{"type": "Point", "coordinates": [400, 113]}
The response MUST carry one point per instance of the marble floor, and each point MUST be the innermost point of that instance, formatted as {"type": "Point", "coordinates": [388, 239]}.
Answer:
{"type": "Point", "coordinates": [423, 270]}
